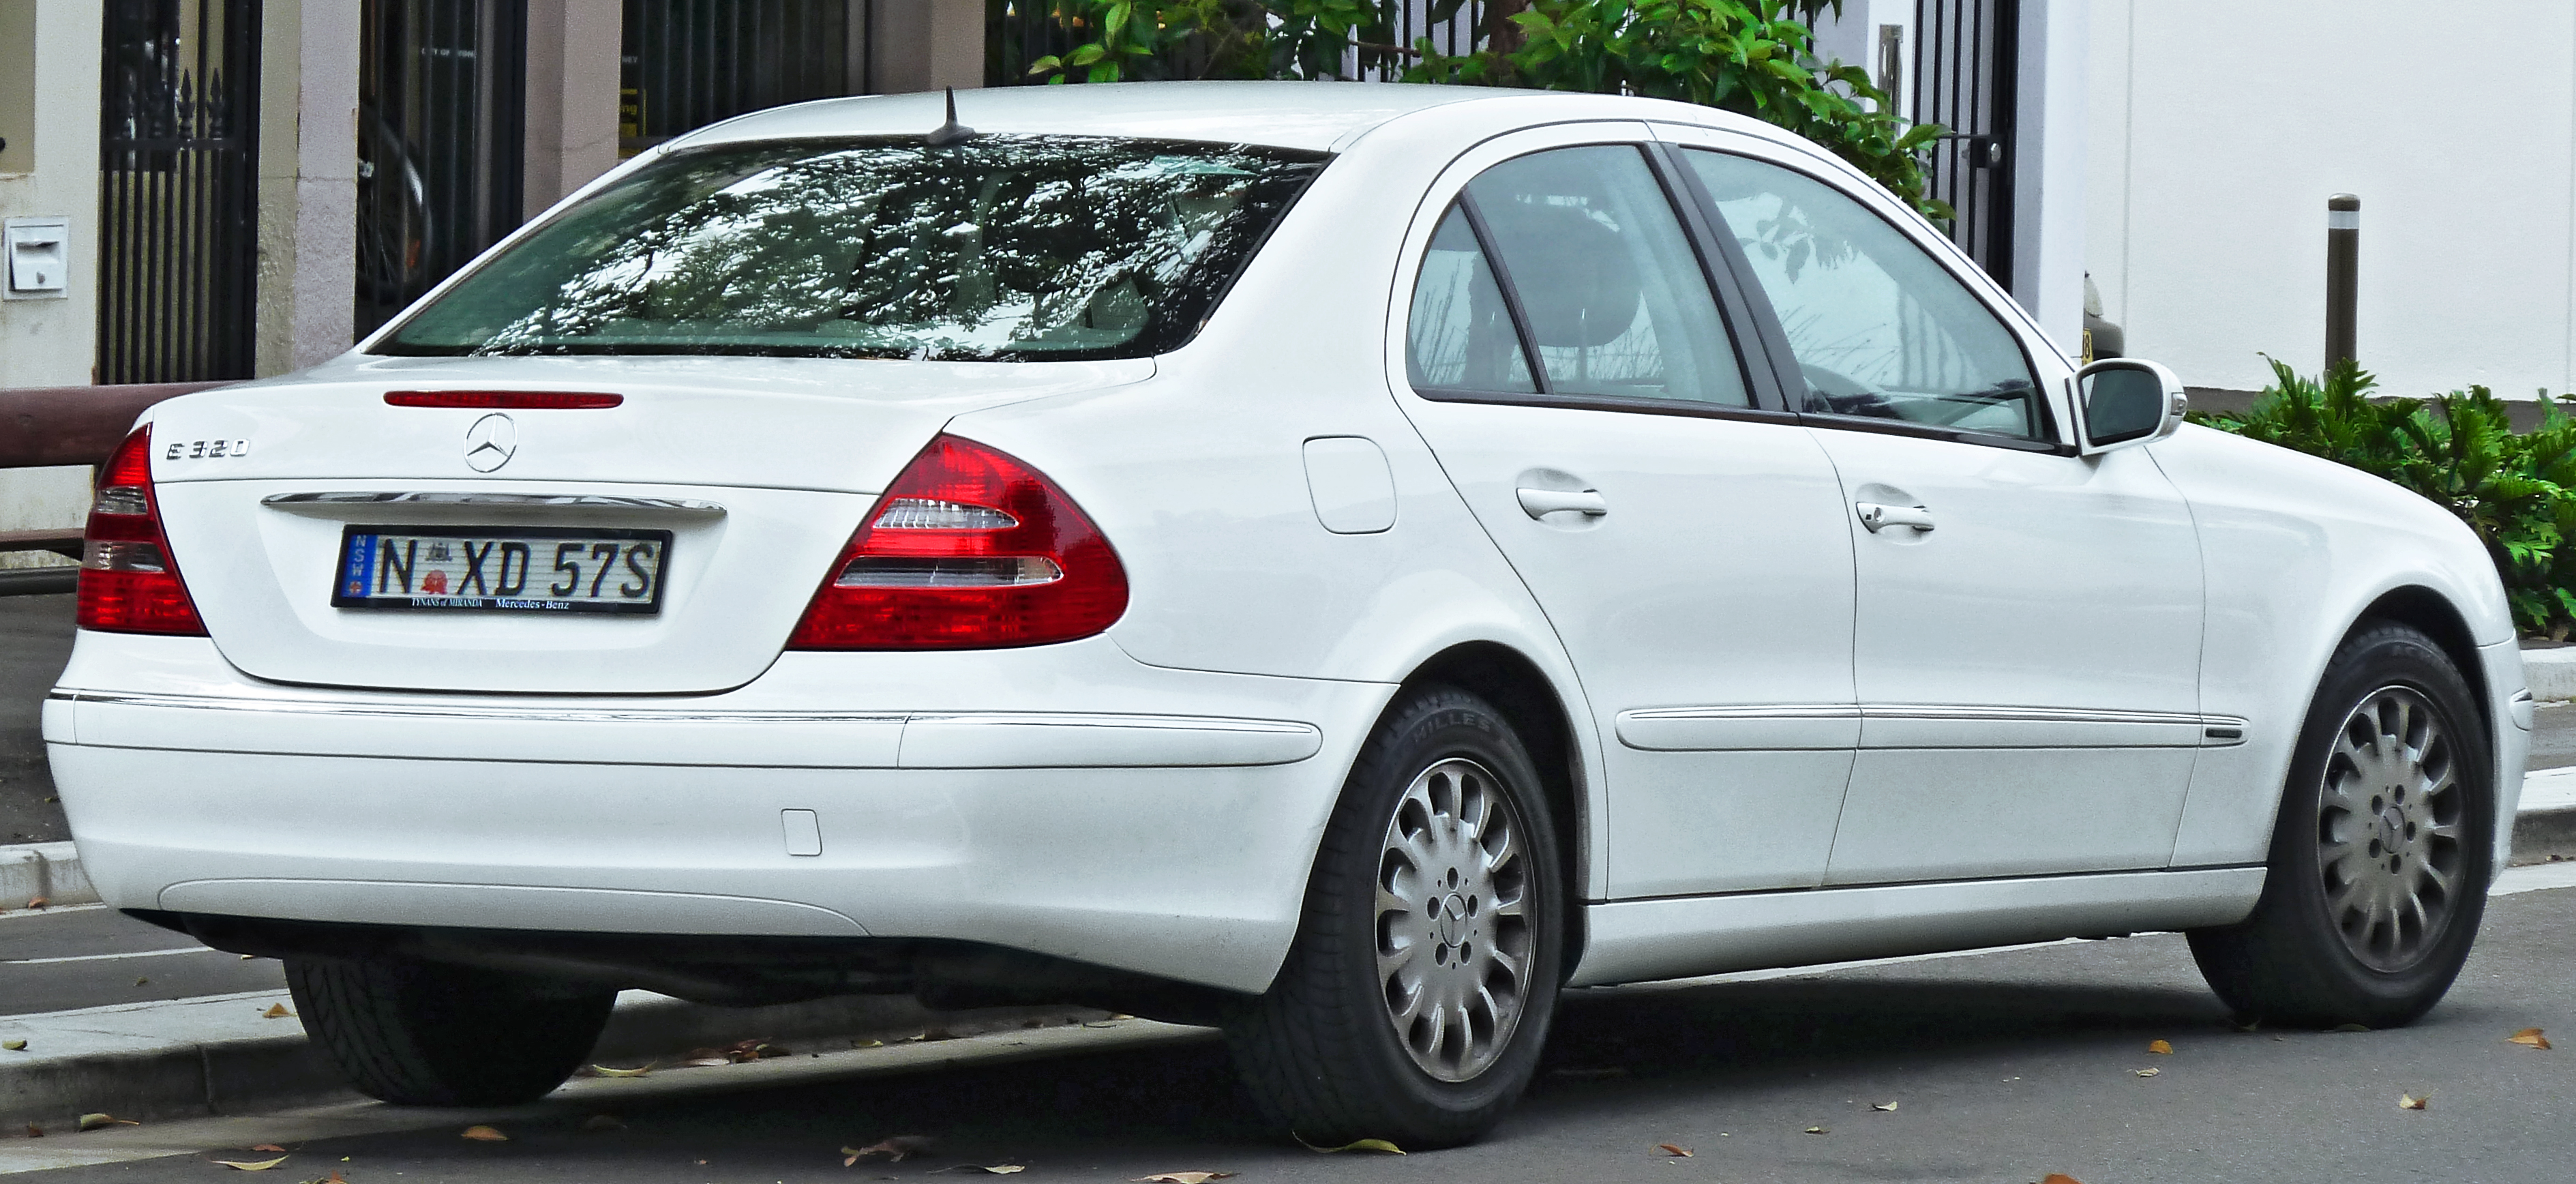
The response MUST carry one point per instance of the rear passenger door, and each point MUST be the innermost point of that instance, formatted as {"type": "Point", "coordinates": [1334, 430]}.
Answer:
{"type": "Point", "coordinates": [2027, 637]}
{"type": "Point", "coordinates": [1560, 342]}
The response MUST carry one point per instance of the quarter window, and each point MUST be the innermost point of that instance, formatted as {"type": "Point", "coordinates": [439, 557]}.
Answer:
{"type": "Point", "coordinates": [1879, 329]}
{"type": "Point", "coordinates": [1607, 288]}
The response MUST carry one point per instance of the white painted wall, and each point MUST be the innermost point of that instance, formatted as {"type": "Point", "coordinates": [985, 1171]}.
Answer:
{"type": "Point", "coordinates": [2217, 129]}
{"type": "Point", "coordinates": [51, 342]}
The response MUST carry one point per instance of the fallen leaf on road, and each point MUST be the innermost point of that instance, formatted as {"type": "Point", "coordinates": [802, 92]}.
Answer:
{"type": "Point", "coordinates": [2411, 1102]}
{"type": "Point", "coordinates": [36, 903]}
{"type": "Point", "coordinates": [1677, 1152]}
{"type": "Point", "coordinates": [485, 1134]}
{"type": "Point", "coordinates": [2352, 1027]}
{"type": "Point", "coordinates": [269, 1147]}
{"type": "Point", "coordinates": [603, 1122]}
{"type": "Point", "coordinates": [999, 1169]}
{"type": "Point", "coordinates": [2059, 1178]}
{"type": "Point", "coordinates": [1377, 1145]}
{"type": "Point", "coordinates": [2528, 1038]}
{"type": "Point", "coordinates": [896, 1149]}
{"type": "Point", "coordinates": [14, 1045]}
{"type": "Point", "coordinates": [34, 1131]}
{"type": "Point", "coordinates": [1183, 1177]}
{"type": "Point", "coordinates": [2146, 1072]}
{"type": "Point", "coordinates": [141, 981]}
{"type": "Point", "coordinates": [867, 1044]}
{"type": "Point", "coordinates": [1819, 1130]}
{"type": "Point", "coordinates": [605, 1071]}
{"type": "Point", "coordinates": [1889, 1106]}
{"type": "Point", "coordinates": [706, 1062]}
{"type": "Point", "coordinates": [251, 1165]}
{"type": "Point", "coordinates": [2161, 1048]}
{"type": "Point", "coordinates": [91, 1122]}
{"type": "Point", "coordinates": [277, 1011]}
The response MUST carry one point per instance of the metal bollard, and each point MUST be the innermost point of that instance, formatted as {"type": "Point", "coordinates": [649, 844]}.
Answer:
{"type": "Point", "coordinates": [2343, 268]}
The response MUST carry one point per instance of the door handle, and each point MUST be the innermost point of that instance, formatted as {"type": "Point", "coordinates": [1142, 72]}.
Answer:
{"type": "Point", "coordinates": [1877, 517]}
{"type": "Point", "coordinates": [1539, 503]}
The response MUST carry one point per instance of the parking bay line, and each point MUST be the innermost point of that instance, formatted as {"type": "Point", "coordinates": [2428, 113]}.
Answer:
{"type": "Point", "coordinates": [109, 957]}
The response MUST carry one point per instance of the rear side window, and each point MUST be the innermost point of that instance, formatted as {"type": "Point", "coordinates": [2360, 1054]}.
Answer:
{"type": "Point", "coordinates": [1002, 248]}
{"type": "Point", "coordinates": [1574, 255]}
{"type": "Point", "coordinates": [1879, 329]}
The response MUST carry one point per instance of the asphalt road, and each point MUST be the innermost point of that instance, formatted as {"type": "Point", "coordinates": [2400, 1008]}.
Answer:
{"type": "Point", "coordinates": [2004, 1067]}
{"type": "Point", "coordinates": [35, 641]}
{"type": "Point", "coordinates": [64, 959]}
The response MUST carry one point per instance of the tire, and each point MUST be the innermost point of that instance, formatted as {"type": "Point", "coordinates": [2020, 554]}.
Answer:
{"type": "Point", "coordinates": [425, 1034]}
{"type": "Point", "coordinates": [1343, 1046]}
{"type": "Point", "coordinates": [2382, 853]}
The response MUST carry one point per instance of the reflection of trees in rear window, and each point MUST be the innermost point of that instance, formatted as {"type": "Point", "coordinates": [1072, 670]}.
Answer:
{"type": "Point", "coordinates": [999, 248]}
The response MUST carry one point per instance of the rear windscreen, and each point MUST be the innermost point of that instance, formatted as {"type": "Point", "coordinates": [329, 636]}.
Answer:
{"type": "Point", "coordinates": [1001, 248]}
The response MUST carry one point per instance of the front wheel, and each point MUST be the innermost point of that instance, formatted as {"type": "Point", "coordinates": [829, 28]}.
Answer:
{"type": "Point", "coordinates": [2382, 852]}
{"type": "Point", "coordinates": [1425, 971]}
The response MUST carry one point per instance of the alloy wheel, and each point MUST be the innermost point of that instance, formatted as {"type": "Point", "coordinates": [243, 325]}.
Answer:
{"type": "Point", "coordinates": [1454, 930]}
{"type": "Point", "coordinates": [2389, 826]}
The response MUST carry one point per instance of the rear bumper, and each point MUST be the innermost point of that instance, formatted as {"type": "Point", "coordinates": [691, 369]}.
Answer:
{"type": "Point", "coordinates": [1166, 828]}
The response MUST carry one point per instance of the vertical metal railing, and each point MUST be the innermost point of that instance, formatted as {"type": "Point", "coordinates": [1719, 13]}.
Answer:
{"type": "Point", "coordinates": [442, 88]}
{"type": "Point", "coordinates": [178, 190]}
{"type": "Point", "coordinates": [689, 63]}
{"type": "Point", "coordinates": [1966, 56]}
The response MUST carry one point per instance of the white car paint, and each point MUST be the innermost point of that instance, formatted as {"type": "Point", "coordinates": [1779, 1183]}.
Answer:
{"type": "Point", "coordinates": [2016, 708]}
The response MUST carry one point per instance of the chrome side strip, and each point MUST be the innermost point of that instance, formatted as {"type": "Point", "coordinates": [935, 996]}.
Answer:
{"type": "Point", "coordinates": [1917, 725]}
{"type": "Point", "coordinates": [533, 713]}
{"type": "Point", "coordinates": [337, 503]}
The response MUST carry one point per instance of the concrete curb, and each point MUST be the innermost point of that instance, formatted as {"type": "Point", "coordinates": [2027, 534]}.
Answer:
{"type": "Point", "coordinates": [2550, 673]}
{"type": "Point", "coordinates": [51, 871]}
{"type": "Point", "coordinates": [222, 1055]}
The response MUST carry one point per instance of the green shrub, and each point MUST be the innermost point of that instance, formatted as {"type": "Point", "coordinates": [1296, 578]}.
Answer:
{"type": "Point", "coordinates": [2516, 490]}
{"type": "Point", "coordinates": [1752, 57]}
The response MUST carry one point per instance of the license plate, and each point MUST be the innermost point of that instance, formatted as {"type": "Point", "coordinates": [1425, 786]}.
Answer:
{"type": "Point", "coordinates": [501, 569]}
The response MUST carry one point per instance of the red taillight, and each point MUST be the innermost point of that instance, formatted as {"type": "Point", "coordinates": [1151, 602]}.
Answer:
{"type": "Point", "coordinates": [129, 583]}
{"type": "Point", "coordinates": [967, 549]}
{"type": "Point", "coordinates": [504, 400]}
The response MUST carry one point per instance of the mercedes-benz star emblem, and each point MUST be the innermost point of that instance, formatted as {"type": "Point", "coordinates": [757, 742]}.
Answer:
{"type": "Point", "coordinates": [491, 442]}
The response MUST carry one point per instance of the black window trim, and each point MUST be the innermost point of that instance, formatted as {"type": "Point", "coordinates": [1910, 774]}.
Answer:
{"type": "Point", "coordinates": [1784, 361]}
{"type": "Point", "coordinates": [1757, 390]}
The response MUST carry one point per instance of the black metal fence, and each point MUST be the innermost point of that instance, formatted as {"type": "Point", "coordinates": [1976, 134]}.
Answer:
{"type": "Point", "coordinates": [1966, 53]}
{"type": "Point", "coordinates": [442, 117]}
{"type": "Point", "coordinates": [689, 63]}
{"type": "Point", "coordinates": [178, 190]}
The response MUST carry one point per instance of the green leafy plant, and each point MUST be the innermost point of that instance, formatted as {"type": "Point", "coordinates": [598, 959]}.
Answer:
{"type": "Point", "coordinates": [1753, 57]}
{"type": "Point", "coordinates": [2516, 490]}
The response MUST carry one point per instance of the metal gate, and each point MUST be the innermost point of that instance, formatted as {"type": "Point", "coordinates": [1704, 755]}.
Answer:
{"type": "Point", "coordinates": [442, 117]}
{"type": "Point", "coordinates": [1017, 32]}
{"type": "Point", "coordinates": [689, 63]}
{"type": "Point", "coordinates": [1965, 57]}
{"type": "Point", "coordinates": [178, 190]}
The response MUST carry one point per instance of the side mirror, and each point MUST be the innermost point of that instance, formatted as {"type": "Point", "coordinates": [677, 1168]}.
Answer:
{"type": "Point", "coordinates": [2126, 401]}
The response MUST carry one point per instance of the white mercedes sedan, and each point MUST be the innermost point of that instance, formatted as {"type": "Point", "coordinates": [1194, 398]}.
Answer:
{"type": "Point", "coordinates": [1346, 563]}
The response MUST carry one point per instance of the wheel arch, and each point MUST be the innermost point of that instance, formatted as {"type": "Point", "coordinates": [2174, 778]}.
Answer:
{"type": "Point", "coordinates": [1521, 690]}
{"type": "Point", "coordinates": [2433, 614]}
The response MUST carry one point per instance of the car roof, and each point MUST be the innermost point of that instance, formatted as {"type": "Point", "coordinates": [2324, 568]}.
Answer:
{"type": "Point", "coordinates": [1318, 116]}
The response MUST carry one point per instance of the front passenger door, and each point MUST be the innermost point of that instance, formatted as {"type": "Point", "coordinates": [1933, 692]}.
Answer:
{"type": "Point", "coordinates": [2026, 645]}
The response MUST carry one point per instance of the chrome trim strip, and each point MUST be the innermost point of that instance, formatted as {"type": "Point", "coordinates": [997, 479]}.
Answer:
{"type": "Point", "coordinates": [532, 713]}
{"type": "Point", "coordinates": [1637, 728]}
{"type": "Point", "coordinates": [333, 502]}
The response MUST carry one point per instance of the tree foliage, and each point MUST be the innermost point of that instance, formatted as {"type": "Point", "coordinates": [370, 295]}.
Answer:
{"type": "Point", "coordinates": [2517, 491]}
{"type": "Point", "coordinates": [1753, 57]}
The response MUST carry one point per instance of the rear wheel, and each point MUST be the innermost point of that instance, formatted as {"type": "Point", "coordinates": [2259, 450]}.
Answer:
{"type": "Point", "coordinates": [424, 1034]}
{"type": "Point", "coordinates": [2382, 853]}
{"type": "Point", "coordinates": [1413, 1006]}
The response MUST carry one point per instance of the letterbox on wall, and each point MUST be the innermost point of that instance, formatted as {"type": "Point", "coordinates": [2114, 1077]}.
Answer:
{"type": "Point", "coordinates": [35, 254]}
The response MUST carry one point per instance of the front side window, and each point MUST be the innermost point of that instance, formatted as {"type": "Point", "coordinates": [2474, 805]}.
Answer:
{"type": "Point", "coordinates": [1879, 329]}
{"type": "Point", "coordinates": [1607, 289]}
{"type": "Point", "coordinates": [1002, 248]}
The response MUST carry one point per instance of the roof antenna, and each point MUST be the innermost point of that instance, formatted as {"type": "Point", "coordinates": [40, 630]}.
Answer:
{"type": "Point", "coordinates": [951, 132]}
